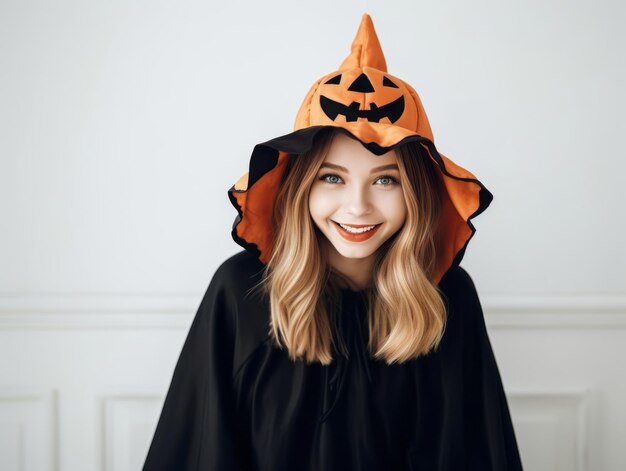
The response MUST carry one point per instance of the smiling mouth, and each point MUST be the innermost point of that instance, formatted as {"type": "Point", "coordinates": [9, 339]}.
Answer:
{"type": "Point", "coordinates": [357, 228]}
{"type": "Point", "coordinates": [356, 232]}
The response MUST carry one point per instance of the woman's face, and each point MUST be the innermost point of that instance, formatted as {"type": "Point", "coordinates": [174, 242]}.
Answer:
{"type": "Point", "coordinates": [356, 199]}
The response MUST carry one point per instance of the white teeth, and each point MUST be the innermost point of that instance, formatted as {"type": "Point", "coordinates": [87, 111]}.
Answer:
{"type": "Point", "coordinates": [355, 230]}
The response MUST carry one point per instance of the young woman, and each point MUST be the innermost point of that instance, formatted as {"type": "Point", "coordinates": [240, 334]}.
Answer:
{"type": "Point", "coordinates": [346, 336]}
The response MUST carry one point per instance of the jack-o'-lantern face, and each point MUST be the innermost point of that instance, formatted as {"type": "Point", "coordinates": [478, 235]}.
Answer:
{"type": "Point", "coordinates": [367, 94]}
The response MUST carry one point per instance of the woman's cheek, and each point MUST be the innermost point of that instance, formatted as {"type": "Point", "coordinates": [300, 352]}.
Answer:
{"type": "Point", "coordinates": [322, 201]}
{"type": "Point", "coordinates": [389, 203]}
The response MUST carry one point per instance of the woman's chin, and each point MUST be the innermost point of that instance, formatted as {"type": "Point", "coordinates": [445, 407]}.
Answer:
{"type": "Point", "coordinates": [354, 253]}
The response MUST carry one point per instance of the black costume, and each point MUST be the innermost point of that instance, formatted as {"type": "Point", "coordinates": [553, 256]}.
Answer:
{"type": "Point", "coordinates": [238, 402]}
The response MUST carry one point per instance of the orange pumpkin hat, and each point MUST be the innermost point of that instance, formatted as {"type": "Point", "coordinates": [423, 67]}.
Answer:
{"type": "Point", "coordinates": [382, 112]}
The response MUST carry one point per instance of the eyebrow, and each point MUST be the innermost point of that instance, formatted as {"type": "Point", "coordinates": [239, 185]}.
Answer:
{"type": "Point", "coordinates": [374, 170]}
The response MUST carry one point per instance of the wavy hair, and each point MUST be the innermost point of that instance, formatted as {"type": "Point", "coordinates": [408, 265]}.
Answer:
{"type": "Point", "coordinates": [406, 312]}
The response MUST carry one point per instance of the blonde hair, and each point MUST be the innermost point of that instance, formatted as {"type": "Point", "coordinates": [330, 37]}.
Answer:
{"type": "Point", "coordinates": [406, 313]}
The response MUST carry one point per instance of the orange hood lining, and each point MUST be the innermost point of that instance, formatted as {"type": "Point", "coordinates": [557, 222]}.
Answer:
{"type": "Point", "coordinates": [253, 195]}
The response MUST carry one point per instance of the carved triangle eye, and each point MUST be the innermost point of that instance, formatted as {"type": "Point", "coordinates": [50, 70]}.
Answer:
{"type": "Point", "coordinates": [362, 84]}
{"type": "Point", "coordinates": [388, 83]}
{"type": "Point", "coordinates": [334, 81]}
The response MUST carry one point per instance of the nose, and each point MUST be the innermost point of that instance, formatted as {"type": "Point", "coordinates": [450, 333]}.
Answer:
{"type": "Point", "coordinates": [358, 202]}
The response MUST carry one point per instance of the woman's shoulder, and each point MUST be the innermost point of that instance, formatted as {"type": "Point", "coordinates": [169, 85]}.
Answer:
{"type": "Point", "coordinates": [239, 273]}
{"type": "Point", "coordinates": [241, 263]}
{"type": "Point", "coordinates": [456, 282]}
{"type": "Point", "coordinates": [244, 310]}
{"type": "Point", "coordinates": [463, 304]}
{"type": "Point", "coordinates": [460, 295]}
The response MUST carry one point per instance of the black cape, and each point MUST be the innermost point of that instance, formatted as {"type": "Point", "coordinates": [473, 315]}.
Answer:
{"type": "Point", "coordinates": [238, 402]}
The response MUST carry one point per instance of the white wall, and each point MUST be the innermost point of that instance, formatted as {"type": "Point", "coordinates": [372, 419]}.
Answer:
{"type": "Point", "coordinates": [123, 124]}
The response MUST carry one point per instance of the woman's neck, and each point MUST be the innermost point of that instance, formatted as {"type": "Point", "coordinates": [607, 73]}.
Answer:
{"type": "Point", "coordinates": [352, 273]}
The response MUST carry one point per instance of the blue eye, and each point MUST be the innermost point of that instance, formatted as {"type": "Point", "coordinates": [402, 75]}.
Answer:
{"type": "Point", "coordinates": [330, 178]}
{"type": "Point", "coordinates": [389, 180]}
{"type": "Point", "coordinates": [334, 179]}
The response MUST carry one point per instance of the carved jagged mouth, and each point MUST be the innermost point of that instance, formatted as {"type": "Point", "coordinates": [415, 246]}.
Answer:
{"type": "Point", "coordinates": [392, 110]}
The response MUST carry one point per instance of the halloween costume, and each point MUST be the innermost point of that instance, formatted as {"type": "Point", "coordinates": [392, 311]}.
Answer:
{"type": "Point", "coordinates": [238, 402]}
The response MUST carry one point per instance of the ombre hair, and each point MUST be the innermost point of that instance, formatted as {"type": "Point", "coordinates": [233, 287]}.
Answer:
{"type": "Point", "coordinates": [406, 312]}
